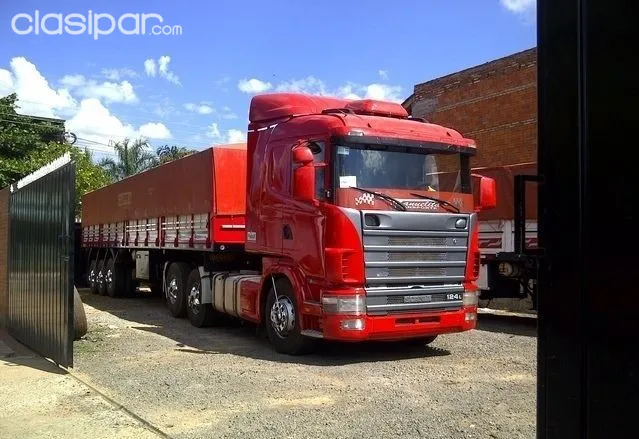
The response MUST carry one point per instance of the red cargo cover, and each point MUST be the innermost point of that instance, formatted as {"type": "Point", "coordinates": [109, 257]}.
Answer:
{"type": "Point", "coordinates": [182, 187]}
{"type": "Point", "coordinates": [505, 181]}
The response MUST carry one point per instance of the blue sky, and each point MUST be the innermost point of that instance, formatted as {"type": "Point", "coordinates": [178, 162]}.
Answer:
{"type": "Point", "coordinates": [193, 89]}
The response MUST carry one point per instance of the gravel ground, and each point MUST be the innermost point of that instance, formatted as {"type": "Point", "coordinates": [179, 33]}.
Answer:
{"type": "Point", "coordinates": [40, 401]}
{"type": "Point", "coordinates": [226, 382]}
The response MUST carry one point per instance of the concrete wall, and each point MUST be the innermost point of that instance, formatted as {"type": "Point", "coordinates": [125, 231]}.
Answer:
{"type": "Point", "coordinates": [494, 103]}
{"type": "Point", "coordinates": [4, 250]}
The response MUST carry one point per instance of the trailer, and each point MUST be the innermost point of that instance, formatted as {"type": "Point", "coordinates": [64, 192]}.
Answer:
{"type": "Point", "coordinates": [508, 244]}
{"type": "Point", "coordinates": [334, 221]}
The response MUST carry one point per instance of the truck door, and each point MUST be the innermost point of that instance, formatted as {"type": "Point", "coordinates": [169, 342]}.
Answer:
{"type": "Point", "coordinates": [276, 195]}
{"type": "Point", "coordinates": [303, 223]}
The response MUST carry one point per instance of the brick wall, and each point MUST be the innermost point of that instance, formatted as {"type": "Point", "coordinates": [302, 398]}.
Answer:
{"type": "Point", "coordinates": [4, 249]}
{"type": "Point", "coordinates": [494, 103]}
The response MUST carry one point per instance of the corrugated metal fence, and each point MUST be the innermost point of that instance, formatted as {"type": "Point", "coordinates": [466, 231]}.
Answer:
{"type": "Point", "coordinates": [40, 287]}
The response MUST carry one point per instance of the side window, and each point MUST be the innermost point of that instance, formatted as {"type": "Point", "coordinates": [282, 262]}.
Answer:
{"type": "Point", "coordinates": [275, 170]}
{"type": "Point", "coordinates": [320, 171]}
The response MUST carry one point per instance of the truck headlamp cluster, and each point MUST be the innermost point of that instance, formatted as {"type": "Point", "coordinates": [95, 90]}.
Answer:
{"type": "Point", "coordinates": [351, 305]}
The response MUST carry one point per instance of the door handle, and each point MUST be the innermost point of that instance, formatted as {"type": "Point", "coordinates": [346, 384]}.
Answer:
{"type": "Point", "coordinates": [287, 232]}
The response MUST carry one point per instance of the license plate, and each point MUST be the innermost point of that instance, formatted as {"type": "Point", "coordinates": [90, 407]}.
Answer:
{"type": "Point", "coordinates": [418, 299]}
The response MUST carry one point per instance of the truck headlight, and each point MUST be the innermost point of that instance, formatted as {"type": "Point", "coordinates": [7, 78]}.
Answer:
{"type": "Point", "coordinates": [352, 305]}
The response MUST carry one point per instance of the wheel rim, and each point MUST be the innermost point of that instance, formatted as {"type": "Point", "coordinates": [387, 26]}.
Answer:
{"type": "Point", "coordinates": [100, 279]}
{"type": "Point", "coordinates": [92, 277]}
{"type": "Point", "coordinates": [194, 298]}
{"type": "Point", "coordinates": [172, 291]}
{"type": "Point", "coordinates": [283, 316]}
{"type": "Point", "coordinates": [108, 278]}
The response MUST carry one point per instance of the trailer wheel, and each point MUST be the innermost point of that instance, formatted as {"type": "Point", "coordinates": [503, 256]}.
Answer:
{"type": "Point", "coordinates": [101, 281]}
{"type": "Point", "coordinates": [200, 314]}
{"type": "Point", "coordinates": [282, 321]}
{"type": "Point", "coordinates": [93, 276]}
{"type": "Point", "coordinates": [176, 277]}
{"type": "Point", "coordinates": [115, 278]}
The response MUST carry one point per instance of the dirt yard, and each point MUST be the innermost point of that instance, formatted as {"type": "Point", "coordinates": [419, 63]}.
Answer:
{"type": "Point", "coordinates": [226, 382]}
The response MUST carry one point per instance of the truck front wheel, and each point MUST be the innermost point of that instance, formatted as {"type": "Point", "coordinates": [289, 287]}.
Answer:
{"type": "Point", "coordinates": [282, 321]}
{"type": "Point", "coordinates": [176, 288]}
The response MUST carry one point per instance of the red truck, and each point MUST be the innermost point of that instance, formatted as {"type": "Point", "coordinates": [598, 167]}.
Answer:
{"type": "Point", "coordinates": [333, 221]}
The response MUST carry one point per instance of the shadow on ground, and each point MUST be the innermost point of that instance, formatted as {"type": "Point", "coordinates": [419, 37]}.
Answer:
{"type": "Point", "coordinates": [13, 353]}
{"type": "Point", "coordinates": [231, 337]}
{"type": "Point", "coordinates": [514, 325]}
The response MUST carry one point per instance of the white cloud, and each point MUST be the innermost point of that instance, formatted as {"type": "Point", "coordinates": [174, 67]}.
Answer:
{"type": "Point", "coordinates": [109, 91]}
{"type": "Point", "coordinates": [213, 131]}
{"type": "Point", "coordinates": [310, 84]}
{"type": "Point", "coordinates": [253, 86]}
{"type": "Point", "coordinates": [207, 108]}
{"type": "Point", "coordinates": [235, 136]}
{"type": "Point", "coordinates": [150, 68]}
{"type": "Point", "coordinates": [519, 6]}
{"type": "Point", "coordinates": [348, 90]}
{"type": "Point", "coordinates": [199, 108]}
{"type": "Point", "coordinates": [91, 120]}
{"type": "Point", "coordinates": [163, 67]}
{"type": "Point", "coordinates": [155, 130]}
{"type": "Point", "coordinates": [230, 136]}
{"type": "Point", "coordinates": [94, 122]}
{"type": "Point", "coordinates": [73, 80]}
{"type": "Point", "coordinates": [383, 74]}
{"type": "Point", "coordinates": [384, 92]}
{"type": "Point", "coordinates": [6, 82]}
{"type": "Point", "coordinates": [117, 74]}
{"type": "Point", "coordinates": [35, 94]}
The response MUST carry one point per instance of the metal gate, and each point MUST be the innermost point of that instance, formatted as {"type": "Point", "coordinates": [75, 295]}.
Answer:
{"type": "Point", "coordinates": [40, 290]}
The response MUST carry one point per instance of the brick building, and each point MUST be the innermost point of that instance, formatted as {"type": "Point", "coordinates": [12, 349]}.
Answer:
{"type": "Point", "coordinates": [493, 103]}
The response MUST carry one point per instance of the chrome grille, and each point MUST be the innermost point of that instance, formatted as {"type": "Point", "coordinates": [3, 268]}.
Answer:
{"type": "Point", "coordinates": [415, 240]}
{"type": "Point", "coordinates": [415, 256]}
{"type": "Point", "coordinates": [414, 261]}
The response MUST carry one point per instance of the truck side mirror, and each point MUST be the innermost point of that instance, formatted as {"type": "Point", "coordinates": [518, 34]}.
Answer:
{"type": "Point", "coordinates": [487, 193]}
{"type": "Point", "coordinates": [304, 183]}
{"type": "Point", "coordinates": [302, 155]}
{"type": "Point", "coordinates": [303, 173]}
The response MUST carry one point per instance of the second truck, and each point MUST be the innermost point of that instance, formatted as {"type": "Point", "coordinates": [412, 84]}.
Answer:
{"type": "Point", "coordinates": [338, 219]}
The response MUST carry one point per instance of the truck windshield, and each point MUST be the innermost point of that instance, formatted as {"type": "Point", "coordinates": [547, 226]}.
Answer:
{"type": "Point", "coordinates": [389, 169]}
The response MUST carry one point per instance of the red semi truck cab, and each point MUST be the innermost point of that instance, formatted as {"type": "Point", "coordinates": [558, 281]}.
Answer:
{"type": "Point", "coordinates": [365, 220]}
{"type": "Point", "coordinates": [338, 219]}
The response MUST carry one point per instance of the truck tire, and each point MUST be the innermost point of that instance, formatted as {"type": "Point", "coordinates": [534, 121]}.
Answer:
{"type": "Point", "coordinates": [176, 292]}
{"type": "Point", "coordinates": [283, 323]}
{"type": "Point", "coordinates": [116, 272]}
{"type": "Point", "coordinates": [93, 276]}
{"type": "Point", "coordinates": [79, 316]}
{"type": "Point", "coordinates": [199, 314]}
{"type": "Point", "coordinates": [101, 281]}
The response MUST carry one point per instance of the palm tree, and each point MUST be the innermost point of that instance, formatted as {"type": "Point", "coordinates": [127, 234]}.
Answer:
{"type": "Point", "coordinates": [132, 158]}
{"type": "Point", "coordinates": [168, 153]}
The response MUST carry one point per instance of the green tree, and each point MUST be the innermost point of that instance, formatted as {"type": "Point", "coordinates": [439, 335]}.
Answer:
{"type": "Point", "coordinates": [168, 153]}
{"type": "Point", "coordinates": [133, 157]}
{"type": "Point", "coordinates": [27, 144]}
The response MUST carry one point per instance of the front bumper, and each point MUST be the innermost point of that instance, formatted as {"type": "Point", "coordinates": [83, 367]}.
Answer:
{"type": "Point", "coordinates": [398, 326]}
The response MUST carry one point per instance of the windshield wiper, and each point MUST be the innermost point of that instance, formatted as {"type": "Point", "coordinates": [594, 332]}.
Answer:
{"type": "Point", "coordinates": [388, 198]}
{"type": "Point", "coordinates": [445, 203]}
